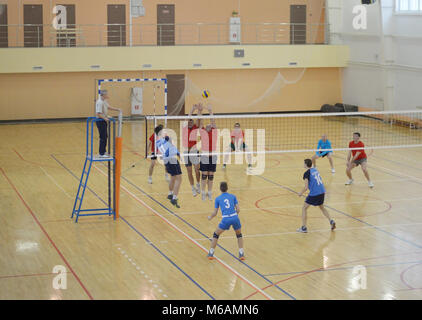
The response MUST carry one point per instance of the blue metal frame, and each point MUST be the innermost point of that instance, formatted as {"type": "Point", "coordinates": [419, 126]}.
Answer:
{"type": "Point", "coordinates": [89, 159]}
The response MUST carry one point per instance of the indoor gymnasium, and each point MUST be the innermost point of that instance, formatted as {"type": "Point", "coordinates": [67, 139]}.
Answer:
{"type": "Point", "coordinates": [210, 150]}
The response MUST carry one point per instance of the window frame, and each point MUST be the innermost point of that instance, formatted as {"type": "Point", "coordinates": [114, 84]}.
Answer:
{"type": "Point", "coordinates": [407, 12]}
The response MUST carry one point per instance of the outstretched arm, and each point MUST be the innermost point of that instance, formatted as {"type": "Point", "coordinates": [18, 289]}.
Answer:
{"type": "Point", "coordinates": [209, 107]}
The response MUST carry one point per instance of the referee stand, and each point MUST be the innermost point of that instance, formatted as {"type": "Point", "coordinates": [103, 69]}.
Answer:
{"type": "Point", "coordinates": [113, 162]}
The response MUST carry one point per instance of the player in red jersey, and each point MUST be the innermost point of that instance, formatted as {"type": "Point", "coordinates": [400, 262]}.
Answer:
{"type": "Point", "coordinates": [189, 138]}
{"type": "Point", "coordinates": [151, 143]}
{"type": "Point", "coordinates": [208, 166]}
{"type": "Point", "coordinates": [357, 157]}
{"type": "Point", "coordinates": [237, 143]}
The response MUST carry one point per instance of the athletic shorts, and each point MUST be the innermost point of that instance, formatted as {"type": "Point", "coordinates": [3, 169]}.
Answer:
{"type": "Point", "coordinates": [360, 161]}
{"type": "Point", "coordinates": [192, 158]}
{"type": "Point", "coordinates": [208, 163]}
{"type": "Point", "coordinates": [315, 200]}
{"type": "Point", "coordinates": [226, 223]}
{"type": "Point", "coordinates": [173, 169]}
{"type": "Point", "coordinates": [324, 155]}
{"type": "Point", "coordinates": [153, 156]}
{"type": "Point", "coordinates": [232, 146]}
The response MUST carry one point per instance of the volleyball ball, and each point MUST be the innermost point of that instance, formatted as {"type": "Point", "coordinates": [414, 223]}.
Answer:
{"type": "Point", "coordinates": [205, 94]}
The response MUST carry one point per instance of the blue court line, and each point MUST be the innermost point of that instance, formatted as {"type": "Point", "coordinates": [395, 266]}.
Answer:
{"type": "Point", "coordinates": [134, 229]}
{"type": "Point", "coordinates": [347, 215]}
{"type": "Point", "coordinates": [342, 268]}
{"type": "Point", "coordinates": [204, 235]}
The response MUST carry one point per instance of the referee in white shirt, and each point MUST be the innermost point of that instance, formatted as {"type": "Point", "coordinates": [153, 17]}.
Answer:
{"type": "Point", "coordinates": [101, 108]}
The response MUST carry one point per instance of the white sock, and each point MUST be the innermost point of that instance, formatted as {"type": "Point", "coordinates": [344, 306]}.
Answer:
{"type": "Point", "coordinates": [211, 250]}
{"type": "Point", "coordinates": [241, 250]}
{"type": "Point", "coordinates": [170, 193]}
{"type": "Point", "coordinates": [198, 185]}
{"type": "Point", "coordinates": [174, 197]}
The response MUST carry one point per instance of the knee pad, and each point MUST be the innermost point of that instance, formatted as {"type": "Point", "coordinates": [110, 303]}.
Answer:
{"type": "Point", "coordinates": [210, 177]}
{"type": "Point", "coordinates": [239, 235]}
{"type": "Point", "coordinates": [215, 235]}
{"type": "Point", "coordinates": [204, 176]}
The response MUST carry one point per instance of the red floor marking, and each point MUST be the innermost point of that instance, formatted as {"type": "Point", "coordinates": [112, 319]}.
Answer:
{"type": "Point", "coordinates": [389, 207]}
{"type": "Point", "coordinates": [32, 162]}
{"type": "Point", "coordinates": [45, 233]}
{"type": "Point", "coordinates": [29, 275]}
{"type": "Point", "coordinates": [329, 267]}
{"type": "Point", "coordinates": [403, 273]}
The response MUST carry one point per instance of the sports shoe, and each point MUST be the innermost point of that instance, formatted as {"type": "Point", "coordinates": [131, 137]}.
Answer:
{"type": "Point", "coordinates": [333, 225]}
{"type": "Point", "coordinates": [174, 202]}
{"type": "Point", "coordinates": [302, 229]}
{"type": "Point", "coordinates": [210, 256]}
{"type": "Point", "coordinates": [170, 197]}
{"type": "Point", "coordinates": [105, 155]}
{"type": "Point", "coordinates": [333, 170]}
{"type": "Point", "coordinates": [194, 192]}
{"type": "Point", "coordinates": [241, 256]}
{"type": "Point", "coordinates": [224, 166]}
{"type": "Point", "coordinates": [249, 166]}
{"type": "Point", "coordinates": [348, 183]}
{"type": "Point", "coordinates": [209, 196]}
{"type": "Point", "coordinates": [371, 185]}
{"type": "Point", "coordinates": [149, 180]}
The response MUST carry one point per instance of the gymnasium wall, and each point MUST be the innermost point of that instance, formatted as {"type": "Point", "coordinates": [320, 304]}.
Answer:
{"type": "Point", "coordinates": [385, 68]}
{"type": "Point", "coordinates": [90, 12]}
{"type": "Point", "coordinates": [72, 94]}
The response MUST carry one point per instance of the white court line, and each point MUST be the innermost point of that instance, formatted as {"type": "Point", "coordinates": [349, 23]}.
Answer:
{"type": "Point", "coordinates": [260, 235]}
{"type": "Point", "coordinates": [132, 261]}
{"type": "Point", "coordinates": [55, 182]}
{"type": "Point", "coordinates": [193, 240]}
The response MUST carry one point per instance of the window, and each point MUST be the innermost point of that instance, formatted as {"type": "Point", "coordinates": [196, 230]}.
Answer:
{"type": "Point", "coordinates": [409, 6]}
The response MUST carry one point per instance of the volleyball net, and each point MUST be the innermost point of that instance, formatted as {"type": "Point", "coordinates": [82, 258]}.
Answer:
{"type": "Point", "coordinates": [298, 132]}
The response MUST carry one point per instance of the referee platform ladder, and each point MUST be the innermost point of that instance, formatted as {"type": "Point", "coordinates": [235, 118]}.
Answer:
{"type": "Point", "coordinates": [113, 164]}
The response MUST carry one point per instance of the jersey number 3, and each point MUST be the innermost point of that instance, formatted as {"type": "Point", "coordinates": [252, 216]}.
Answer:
{"type": "Point", "coordinates": [227, 202]}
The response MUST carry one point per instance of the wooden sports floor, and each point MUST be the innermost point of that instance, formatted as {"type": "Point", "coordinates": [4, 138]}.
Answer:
{"type": "Point", "coordinates": [155, 251]}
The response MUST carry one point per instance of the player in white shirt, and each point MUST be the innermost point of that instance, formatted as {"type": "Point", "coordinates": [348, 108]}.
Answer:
{"type": "Point", "coordinates": [101, 109]}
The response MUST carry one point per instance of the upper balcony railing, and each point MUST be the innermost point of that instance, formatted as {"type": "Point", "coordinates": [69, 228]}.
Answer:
{"type": "Point", "coordinates": [88, 35]}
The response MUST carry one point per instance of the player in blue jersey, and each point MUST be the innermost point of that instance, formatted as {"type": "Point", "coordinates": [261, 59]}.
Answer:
{"type": "Point", "coordinates": [229, 210]}
{"type": "Point", "coordinates": [170, 157]}
{"type": "Point", "coordinates": [324, 144]}
{"type": "Point", "coordinates": [313, 182]}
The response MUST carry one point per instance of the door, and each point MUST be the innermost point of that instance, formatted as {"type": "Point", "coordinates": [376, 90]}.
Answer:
{"type": "Point", "coordinates": [67, 38]}
{"type": "Point", "coordinates": [116, 30]}
{"type": "Point", "coordinates": [298, 24]}
{"type": "Point", "coordinates": [33, 29]}
{"type": "Point", "coordinates": [4, 37]}
{"type": "Point", "coordinates": [165, 25]}
{"type": "Point", "coordinates": [175, 98]}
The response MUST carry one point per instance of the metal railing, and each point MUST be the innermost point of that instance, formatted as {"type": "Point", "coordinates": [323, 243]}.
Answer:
{"type": "Point", "coordinates": [86, 35]}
